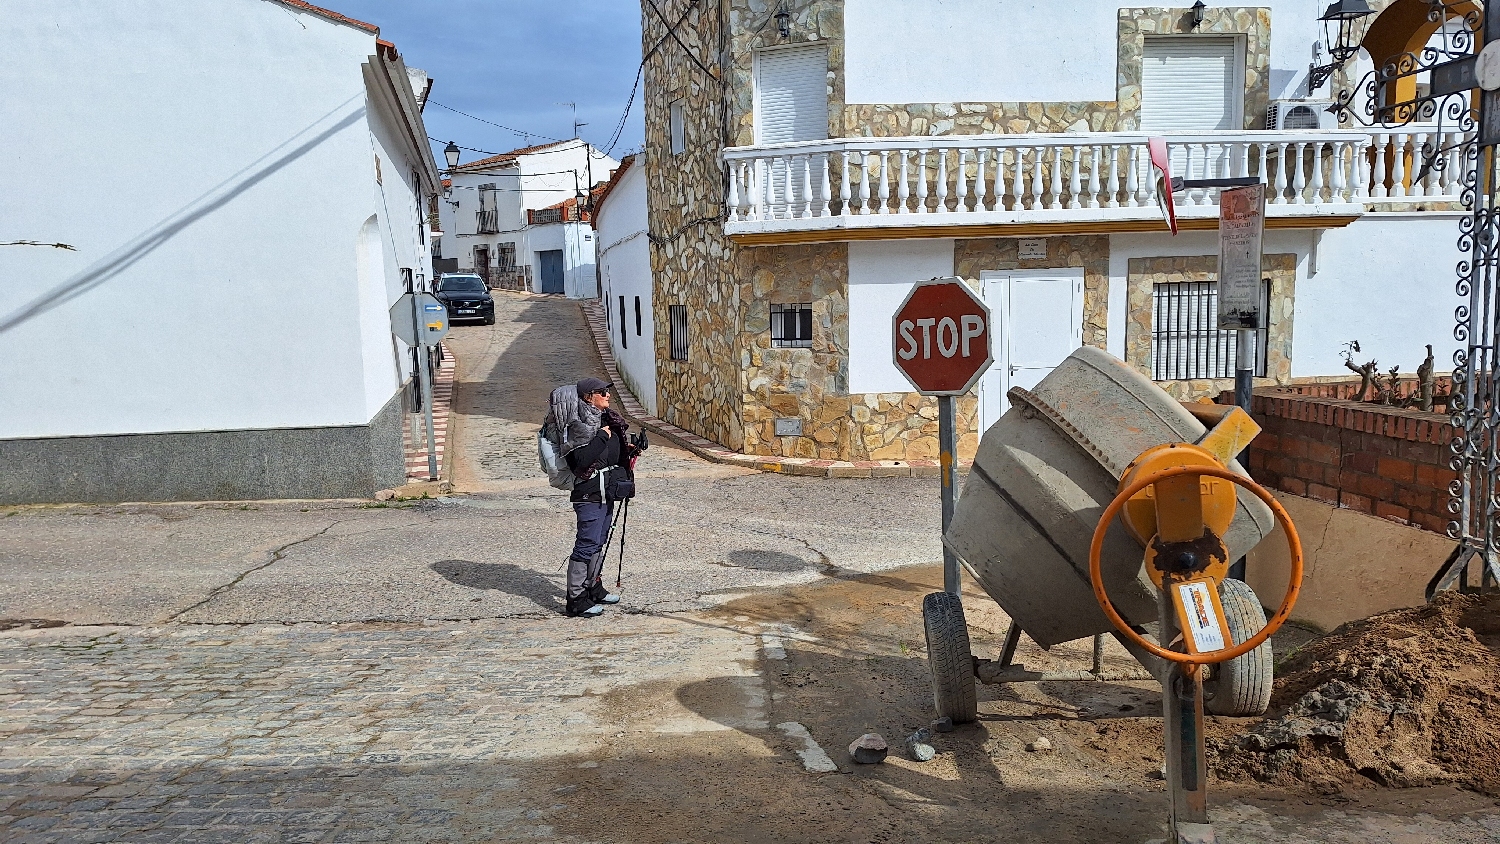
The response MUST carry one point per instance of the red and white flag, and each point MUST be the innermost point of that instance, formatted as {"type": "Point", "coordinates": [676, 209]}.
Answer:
{"type": "Point", "coordinates": [1159, 160]}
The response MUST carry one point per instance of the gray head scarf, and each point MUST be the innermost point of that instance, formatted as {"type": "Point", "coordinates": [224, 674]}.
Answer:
{"type": "Point", "coordinates": [575, 420]}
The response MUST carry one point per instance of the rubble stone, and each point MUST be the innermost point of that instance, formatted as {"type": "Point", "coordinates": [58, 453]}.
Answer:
{"type": "Point", "coordinates": [869, 749]}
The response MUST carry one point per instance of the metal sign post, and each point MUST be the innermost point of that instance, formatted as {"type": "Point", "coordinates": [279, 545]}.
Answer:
{"type": "Point", "coordinates": [1242, 223]}
{"type": "Point", "coordinates": [421, 321]}
{"type": "Point", "coordinates": [942, 346]}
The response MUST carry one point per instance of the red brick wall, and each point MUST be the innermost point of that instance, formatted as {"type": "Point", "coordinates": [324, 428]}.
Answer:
{"type": "Point", "coordinates": [1385, 461]}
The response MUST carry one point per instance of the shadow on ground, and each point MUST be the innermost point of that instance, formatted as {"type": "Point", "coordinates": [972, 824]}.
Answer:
{"type": "Point", "coordinates": [503, 577]}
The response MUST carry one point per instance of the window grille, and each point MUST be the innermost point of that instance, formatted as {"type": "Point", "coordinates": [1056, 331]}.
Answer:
{"type": "Point", "coordinates": [678, 329]}
{"type": "Point", "coordinates": [791, 326]}
{"type": "Point", "coordinates": [505, 256]}
{"type": "Point", "coordinates": [678, 125]}
{"type": "Point", "coordinates": [1186, 342]}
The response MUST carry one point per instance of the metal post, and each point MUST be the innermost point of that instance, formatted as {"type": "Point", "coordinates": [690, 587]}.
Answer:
{"type": "Point", "coordinates": [948, 460]}
{"type": "Point", "coordinates": [1244, 390]}
{"type": "Point", "coordinates": [1187, 769]}
{"type": "Point", "coordinates": [425, 383]}
{"type": "Point", "coordinates": [432, 466]}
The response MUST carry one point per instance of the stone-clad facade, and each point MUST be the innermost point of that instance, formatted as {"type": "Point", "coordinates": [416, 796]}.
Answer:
{"type": "Point", "coordinates": [733, 384]}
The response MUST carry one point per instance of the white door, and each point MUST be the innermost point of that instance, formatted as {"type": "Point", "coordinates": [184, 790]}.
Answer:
{"type": "Point", "coordinates": [1039, 322]}
{"type": "Point", "coordinates": [791, 104]}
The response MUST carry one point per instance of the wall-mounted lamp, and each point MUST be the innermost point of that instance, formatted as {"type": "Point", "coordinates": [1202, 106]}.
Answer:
{"type": "Point", "coordinates": [1198, 9]}
{"type": "Point", "coordinates": [451, 152]}
{"type": "Point", "coordinates": [1341, 48]}
{"type": "Point", "coordinates": [783, 20]}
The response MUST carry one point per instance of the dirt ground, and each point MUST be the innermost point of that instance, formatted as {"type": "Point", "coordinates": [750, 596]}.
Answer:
{"type": "Point", "coordinates": [855, 663]}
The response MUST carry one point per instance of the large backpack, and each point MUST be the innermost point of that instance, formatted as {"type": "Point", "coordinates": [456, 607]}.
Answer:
{"type": "Point", "coordinates": [549, 454]}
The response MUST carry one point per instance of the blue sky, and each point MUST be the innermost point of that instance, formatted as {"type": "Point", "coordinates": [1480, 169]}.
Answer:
{"type": "Point", "coordinates": [513, 61]}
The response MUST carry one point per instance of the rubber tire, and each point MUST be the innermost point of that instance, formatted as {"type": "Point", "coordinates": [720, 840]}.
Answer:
{"type": "Point", "coordinates": [949, 658]}
{"type": "Point", "coordinates": [1242, 686]}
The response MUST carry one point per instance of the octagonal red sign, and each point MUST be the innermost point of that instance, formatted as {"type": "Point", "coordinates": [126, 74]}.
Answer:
{"type": "Point", "coordinates": [942, 334]}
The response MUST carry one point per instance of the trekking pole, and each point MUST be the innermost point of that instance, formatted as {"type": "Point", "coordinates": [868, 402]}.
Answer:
{"type": "Point", "coordinates": [620, 568]}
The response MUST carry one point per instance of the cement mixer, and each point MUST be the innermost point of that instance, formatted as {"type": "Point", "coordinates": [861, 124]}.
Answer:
{"type": "Point", "coordinates": [1099, 504]}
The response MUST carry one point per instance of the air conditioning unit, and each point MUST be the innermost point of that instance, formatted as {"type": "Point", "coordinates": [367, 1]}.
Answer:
{"type": "Point", "coordinates": [1292, 115]}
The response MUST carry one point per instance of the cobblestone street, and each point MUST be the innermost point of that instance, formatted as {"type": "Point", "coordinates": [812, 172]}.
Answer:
{"type": "Point", "coordinates": [325, 733]}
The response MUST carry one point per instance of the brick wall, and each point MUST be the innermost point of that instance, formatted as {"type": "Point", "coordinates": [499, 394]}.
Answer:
{"type": "Point", "coordinates": [1345, 388]}
{"type": "Point", "coordinates": [1385, 461]}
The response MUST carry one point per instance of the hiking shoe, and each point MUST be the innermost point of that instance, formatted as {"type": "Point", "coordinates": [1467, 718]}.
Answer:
{"type": "Point", "coordinates": [609, 598]}
{"type": "Point", "coordinates": [593, 611]}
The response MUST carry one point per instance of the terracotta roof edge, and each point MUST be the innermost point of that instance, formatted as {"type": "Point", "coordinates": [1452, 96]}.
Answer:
{"type": "Point", "coordinates": [329, 14]}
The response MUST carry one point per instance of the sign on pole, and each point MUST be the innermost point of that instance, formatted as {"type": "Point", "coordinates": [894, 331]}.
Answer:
{"type": "Point", "coordinates": [942, 346]}
{"type": "Point", "coordinates": [419, 319]}
{"type": "Point", "coordinates": [942, 337]}
{"type": "Point", "coordinates": [1242, 220]}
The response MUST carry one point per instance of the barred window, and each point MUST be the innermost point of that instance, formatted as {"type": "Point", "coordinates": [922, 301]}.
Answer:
{"type": "Point", "coordinates": [1186, 342]}
{"type": "Point", "coordinates": [678, 330]}
{"type": "Point", "coordinates": [791, 326]}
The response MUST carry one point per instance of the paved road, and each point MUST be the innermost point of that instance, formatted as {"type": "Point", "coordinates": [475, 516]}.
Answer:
{"type": "Point", "coordinates": [338, 671]}
{"type": "Point", "coordinates": [698, 534]}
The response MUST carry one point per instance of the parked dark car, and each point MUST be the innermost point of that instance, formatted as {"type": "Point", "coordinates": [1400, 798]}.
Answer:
{"type": "Point", "coordinates": [466, 297]}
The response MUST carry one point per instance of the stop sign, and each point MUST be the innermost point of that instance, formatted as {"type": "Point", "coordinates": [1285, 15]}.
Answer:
{"type": "Point", "coordinates": [942, 334]}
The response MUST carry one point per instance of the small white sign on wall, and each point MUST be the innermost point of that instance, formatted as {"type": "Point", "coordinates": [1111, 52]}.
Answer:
{"type": "Point", "coordinates": [1033, 249]}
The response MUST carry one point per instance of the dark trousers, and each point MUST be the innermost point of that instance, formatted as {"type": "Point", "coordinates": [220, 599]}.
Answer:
{"type": "Point", "coordinates": [587, 559]}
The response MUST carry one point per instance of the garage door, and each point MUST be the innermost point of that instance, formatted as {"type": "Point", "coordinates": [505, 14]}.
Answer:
{"type": "Point", "coordinates": [1190, 84]}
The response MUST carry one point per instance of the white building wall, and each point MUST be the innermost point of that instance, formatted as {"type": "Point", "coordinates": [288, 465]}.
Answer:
{"type": "Point", "coordinates": [400, 214]}
{"type": "Point", "coordinates": [625, 271]}
{"type": "Point", "coordinates": [943, 51]}
{"type": "Point", "coordinates": [1353, 283]}
{"type": "Point", "coordinates": [1387, 281]}
{"type": "Point", "coordinates": [212, 173]}
{"type": "Point", "coordinates": [881, 275]}
{"type": "Point", "coordinates": [580, 270]}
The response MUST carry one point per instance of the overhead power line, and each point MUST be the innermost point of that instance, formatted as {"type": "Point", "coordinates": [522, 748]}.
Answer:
{"type": "Point", "coordinates": [522, 132]}
{"type": "Point", "coordinates": [672, 34]}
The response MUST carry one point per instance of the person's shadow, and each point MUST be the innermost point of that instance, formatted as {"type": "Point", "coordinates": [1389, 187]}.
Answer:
{"type": "Point", "coordinates": [504, 577]}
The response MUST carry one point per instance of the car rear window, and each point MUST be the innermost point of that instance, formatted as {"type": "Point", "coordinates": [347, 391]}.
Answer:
{"type": "Point", "coordinates": [461, 284]}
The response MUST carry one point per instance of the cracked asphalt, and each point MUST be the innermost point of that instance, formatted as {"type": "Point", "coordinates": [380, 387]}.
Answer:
{"type": "Point", "coordinates": [698, 534]}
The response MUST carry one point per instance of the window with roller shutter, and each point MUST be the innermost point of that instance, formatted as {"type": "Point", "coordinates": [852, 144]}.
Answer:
{"type": "Point", "coordinates": [791, 95]}
{"type": "Point", "coordinates": [791, 104]}
{"type": "Point", "coordinates": [1191, 84]}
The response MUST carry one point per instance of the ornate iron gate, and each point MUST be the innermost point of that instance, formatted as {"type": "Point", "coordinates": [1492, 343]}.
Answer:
{"type": "Point", "coordinates": [1452, 66]}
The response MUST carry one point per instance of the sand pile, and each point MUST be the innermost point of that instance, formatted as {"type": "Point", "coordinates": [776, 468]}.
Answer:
{"type": "Point", "coordinates": [1402, 699]}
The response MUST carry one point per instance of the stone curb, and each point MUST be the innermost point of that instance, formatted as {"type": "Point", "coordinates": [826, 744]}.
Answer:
{"type": "Point", "coordinates": [593, 314]}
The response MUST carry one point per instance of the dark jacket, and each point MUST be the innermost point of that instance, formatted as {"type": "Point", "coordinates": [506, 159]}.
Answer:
{"type": "Point", "coordinates": [586, 461]}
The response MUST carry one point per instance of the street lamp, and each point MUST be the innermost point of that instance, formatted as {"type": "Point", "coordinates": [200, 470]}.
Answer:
{"type": "Point", "coordinates": [451, 152]}
{"type": "Point", "coordinates": [1342, 48]}
{"type": "Point", "coordinates": [1198, 9]}
{"type": "Point", "coordinates": [783, 20]}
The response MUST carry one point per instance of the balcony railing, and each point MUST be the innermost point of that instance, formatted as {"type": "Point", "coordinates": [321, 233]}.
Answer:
{"type": "Point", "coordinates": [489, 222]}
{"type": "Point", "coordinates": [1072, 177]}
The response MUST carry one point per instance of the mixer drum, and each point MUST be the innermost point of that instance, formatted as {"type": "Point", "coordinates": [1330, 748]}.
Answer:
{"type": "Point", "coordinates": [1043, 476]}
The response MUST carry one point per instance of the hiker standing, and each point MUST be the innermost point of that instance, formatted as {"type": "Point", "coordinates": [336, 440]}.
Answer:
{"type": "Point", "coordinates": [594, 445]}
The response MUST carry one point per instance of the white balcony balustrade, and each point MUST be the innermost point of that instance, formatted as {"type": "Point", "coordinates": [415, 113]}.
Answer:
{"type": "Point", "coordinates": [1074, 178]}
